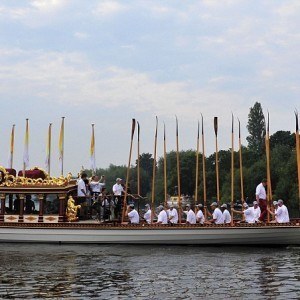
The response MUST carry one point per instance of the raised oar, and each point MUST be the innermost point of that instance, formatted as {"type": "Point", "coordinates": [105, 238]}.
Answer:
{"type": "Point", "coordinates": [217, 158]}
{"type": "Point", "coordinates": [232, 167]}
{"type": "Point", "coordinates": [178, 173]}
{"type": "Point", "coordinates": [138, 160]}
{"type": "Point", "coordinates": [61, 145]}
{"type": "Point", "coordinates": [203, 170]}
{"type": "Point", "coordinates": [298, 153]}
{"type": "Point", "coordinates": [241, 166]}
{"type": "Point", "coordinates": [197, 168]}
{"type": "Point", "coordinates": [48, 149]}
{"type": "Point", "coordinates": [154, 172]}
{"type": "Point", "coordinates": [165, 167]}
{"type": "Point", "coordinates": [128, 169]}
{"type": "Point", "coordinates": [269, 187]}
{"type": "Point", "coordinates": [26, 148]}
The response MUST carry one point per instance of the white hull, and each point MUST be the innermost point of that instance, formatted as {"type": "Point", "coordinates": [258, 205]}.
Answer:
{"type": "Point", "coordinates": [265, 235]}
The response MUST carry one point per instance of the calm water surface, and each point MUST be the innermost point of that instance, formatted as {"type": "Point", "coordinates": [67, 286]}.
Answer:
{"type": "Point", "coordinates": [148, 272]}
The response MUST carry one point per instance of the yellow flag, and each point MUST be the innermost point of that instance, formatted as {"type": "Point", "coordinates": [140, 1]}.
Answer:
{"type": "Point", "coordinates": [11, 152]}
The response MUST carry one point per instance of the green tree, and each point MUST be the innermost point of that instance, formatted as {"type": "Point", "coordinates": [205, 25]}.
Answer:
{"type": "Point", "coordinates": [256, 129]}
{"type": "Point", "coordinates": [283, 138]}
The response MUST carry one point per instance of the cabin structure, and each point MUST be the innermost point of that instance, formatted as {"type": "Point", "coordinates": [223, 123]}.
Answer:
{"type": "Point", "coordinates": [35, 197]}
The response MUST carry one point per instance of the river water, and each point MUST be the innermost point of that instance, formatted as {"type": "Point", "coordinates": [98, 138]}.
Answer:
{"type": "Point", "coordinates": [33, 271]}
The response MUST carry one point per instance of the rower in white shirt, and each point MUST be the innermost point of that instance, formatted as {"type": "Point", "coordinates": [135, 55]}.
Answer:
{"type": "Point", "coordinates": [256, 211]}
{"type": "Point", "coordinates": [281, 213]}
{"type": "Point", "coordinates": [147, 215]}
{"type": "Point", "coordinates": [190, 215]}
{"type": "Point", "coordinates": [248, 214]}
{"type": "Point", "coordinates": [226, 214]}
{"type": "Point", "coordinates": [217, 216]}
{"type": "Point", "coordinates": [172, 215]}
{"type": "Point", "coordinates": [132, 214]}
{"type": "Point", "coordinates": [200, 218]}
{"type": "Point", "coordinates": [162, 217]}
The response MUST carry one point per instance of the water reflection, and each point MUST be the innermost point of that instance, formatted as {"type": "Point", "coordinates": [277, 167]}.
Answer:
{"type": "Point", "coordinates": [148, 272]}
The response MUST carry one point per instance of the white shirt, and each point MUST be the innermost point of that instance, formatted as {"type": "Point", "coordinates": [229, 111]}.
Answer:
{"type": "Point", "coordinates": [226, 216]}
{"type": "Point", "coordinates": [162, 217]}
{"type": "Point", "coordinates": [174, 214]}
{"type": "Point", "coordinates": [117, 189]}
{"type": "Point", "coordinates": [249, 215]}
{"type": "Point", "coordinates": [96, 186]}
{"type": "Point", "coordinates": [190, 217]}
{"type": "Point", "coordinates": [282, 214]}
{"type": "Point", "coordinates": [147, 216]}
{"type": "Point", "coordinates": [134, 217]}
{"type": "Point", "coordinates": [218, 216]}
{"type": "Point", "coordinates": [256, 213]}
{"type": "Point", "coordinates": [261, 191]}
{"type": "Point", "coordinates": [200, 217]}
{"type": "Point", "coordinates": [81, 186]}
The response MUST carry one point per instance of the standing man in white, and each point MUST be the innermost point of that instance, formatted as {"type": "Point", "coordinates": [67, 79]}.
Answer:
{"type": "Point", "coordinates": [118, 191]}
{"type": "Point", "coordinates": [261, 198]}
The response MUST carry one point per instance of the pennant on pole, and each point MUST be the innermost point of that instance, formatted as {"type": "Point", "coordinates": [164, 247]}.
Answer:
{"type": "Point", "coordinates": [26, 147]}
{"type": "Point", "coordinates": [92, 150]}
{"type": "Point", "coordinates": [48, 150]}
{"type": "Point", "coordinates": [12, 146]}
{"type": "Point", "coordinates": [61, 146]}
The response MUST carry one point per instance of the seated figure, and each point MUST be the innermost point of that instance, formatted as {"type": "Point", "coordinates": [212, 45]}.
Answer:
{"type": "Point", "coordinates": [71, 211]}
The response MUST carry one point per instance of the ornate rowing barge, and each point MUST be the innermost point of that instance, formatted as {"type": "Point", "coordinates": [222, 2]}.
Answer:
{"type": "Point", "coordinates": [48, 222]}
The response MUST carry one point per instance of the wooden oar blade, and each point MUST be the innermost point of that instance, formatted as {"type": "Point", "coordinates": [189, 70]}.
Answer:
{"type": "Point", "coordinates": [216, 125]}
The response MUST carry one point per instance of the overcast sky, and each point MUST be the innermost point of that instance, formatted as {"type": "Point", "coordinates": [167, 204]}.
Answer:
{"type": "Point", "coordinates": [106, 62]}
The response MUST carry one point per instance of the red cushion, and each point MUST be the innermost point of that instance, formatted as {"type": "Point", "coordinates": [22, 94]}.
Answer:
{"type": "Point", "coordinates": [11, 172]}
{"type": "Point", "coordinates": [34, 174]}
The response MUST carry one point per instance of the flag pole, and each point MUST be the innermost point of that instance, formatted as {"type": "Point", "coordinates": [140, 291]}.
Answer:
{"type": "Point", "coordinates": [178, 173]}
{"type": "Point", "coordinates": [138, 161]}
{"type": "Point", "coordinates": [165, 167]}
{"type": "Point", "coordinates": [61, 145]}
{"type": "Point", "coordinates": [217, 159]}
{"type": "Point", "coordinates": [241, 167]}
{"type": "Point", "coordinates": [154, 172]}
{"type": "Point", "coordinates": [26, 148]}
{"type": "Point", "coordinates": [203, 170]}
{"type": "Point", "coordinates": [12, 146]}
{"type": "Point", "coordinates": [197, 168]}
{"type": "Point", "coordinates": [92, 151]}
{"type": "Point", "coordinates": [298, 153]}
{"type": "Point", "coordinates": [232, 166]}
{"type": "Point", "coordinates": [48, 149]}
{"type": "Point", "coordinates": [128, 169]}
{"type": "Point", "coordinates": [269, 188]}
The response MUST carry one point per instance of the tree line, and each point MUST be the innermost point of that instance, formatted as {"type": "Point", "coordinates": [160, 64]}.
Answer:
{"type": "Point", "coordinates": [283, 167]}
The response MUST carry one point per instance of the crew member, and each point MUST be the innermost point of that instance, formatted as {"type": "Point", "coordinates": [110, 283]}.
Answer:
{"type": "Point", "coordinates": [256, 211]}
{"type": "Point", "coordinates": [118, 191]}
{"type": "Point", "coordinates": [261, 198]}
{"type": "Point", "coordinates": [281, 214]}
{"type": "Point", "coordinates": [248, 215]}
{"type": "Point", "coordinates": [190, 215]}
{"type": "Point", "coordinates": [82, 194]}
{"type": "Point", "coordinates": [132, 214]}
{"type": "Point", "coordinates": [173, 215]}
{"type": "Point", "coordinates": [199, 215]}
{"type": "Point", "coordinates": [162, 217]}
{"type": "Point", "coordinates": [217, 216]}
{"type": "Point", "coordinates": [147, 215]}
{"type": "Point", "coordinates": [226, 214]}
